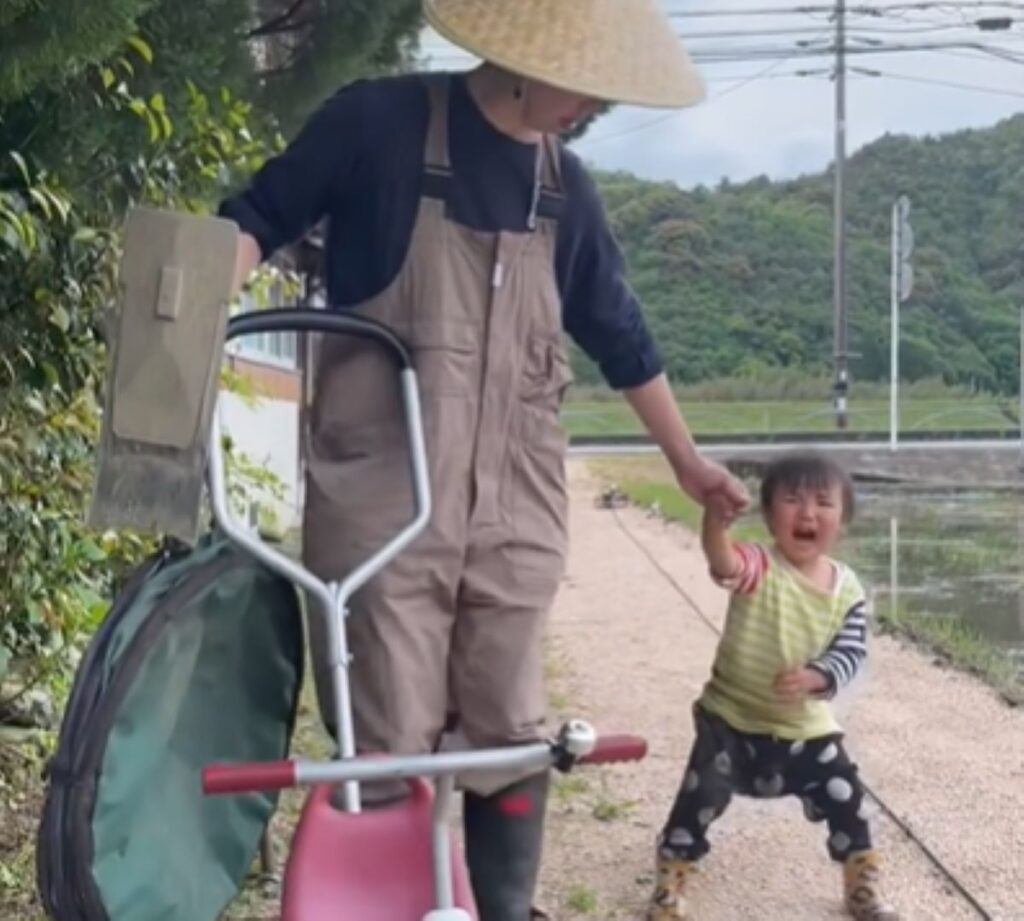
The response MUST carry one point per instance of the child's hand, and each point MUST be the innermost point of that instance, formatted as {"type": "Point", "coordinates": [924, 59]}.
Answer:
{"type": "Point", "coordinates": [719, 510]}
{"type": "Point", "coordinates": [796, 684]}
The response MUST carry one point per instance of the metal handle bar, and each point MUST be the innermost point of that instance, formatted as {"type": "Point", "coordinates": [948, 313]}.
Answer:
{"type": "Point", "coordinates": [304, 320]}
{"type": "Point", "coordinates": [331, 601]}
{"type": "Point", "coordinates": [279, 775]}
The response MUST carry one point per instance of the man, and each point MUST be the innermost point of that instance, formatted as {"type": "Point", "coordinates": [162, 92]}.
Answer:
{"type": "Point", "coordinates": [456, 217]}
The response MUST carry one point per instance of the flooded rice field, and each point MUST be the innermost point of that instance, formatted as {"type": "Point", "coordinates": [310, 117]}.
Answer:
{"type": "Point", "coordinates": [945, 554]}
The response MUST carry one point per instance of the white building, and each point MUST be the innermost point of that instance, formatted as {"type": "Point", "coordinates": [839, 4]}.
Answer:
{"type": "Point", "coordinates": [266, 430]}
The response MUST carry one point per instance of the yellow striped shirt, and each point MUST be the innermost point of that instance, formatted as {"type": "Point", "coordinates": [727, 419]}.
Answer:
{"type": "Point", "coordinates": [777, 620]}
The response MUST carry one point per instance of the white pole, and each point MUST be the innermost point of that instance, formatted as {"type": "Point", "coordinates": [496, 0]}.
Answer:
{"type": "Point", "coordinates": [895, 332]}
{"type": "Point", "coordinates": [1020, 387]}
{"type": "Point", "coordinates": [894, 567]}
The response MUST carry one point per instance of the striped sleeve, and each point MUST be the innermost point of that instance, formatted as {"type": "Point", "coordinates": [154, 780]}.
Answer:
{"type": "Point", "coordinates": [753, 564]}
{"type": "Point", "coordinates": [846, 654]}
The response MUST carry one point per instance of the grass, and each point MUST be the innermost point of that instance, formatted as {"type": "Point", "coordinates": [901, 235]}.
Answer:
{"type": "Point", "coordinates": [957, 644]}
{"type": "Point", "coordinates": [610, 810]}
{"type": "Point", "coordinates": [555, 669]}
{"type": "Point", "coordinates": [578, 800]}
{"type": "Point", "coordinates": [582, 900]}
{"type": "Point", "coordinates": [21, 795]}
{"type": "Point", "coordinates": [600, 417]}
{"type": "Point", "coordinates": [568, 787]}
{"type": "Point", "coordinates": [559, 701]}
{"type": "Point", "coordinates": [647, 482]}
{"type": "Point", "coordinates": [939, 557]}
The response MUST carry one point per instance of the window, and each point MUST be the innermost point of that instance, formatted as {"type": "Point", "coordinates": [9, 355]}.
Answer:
{"type": "Point", "coordinates": [279, 349]}
{"type": "Point", "coordinates": [273, 348]}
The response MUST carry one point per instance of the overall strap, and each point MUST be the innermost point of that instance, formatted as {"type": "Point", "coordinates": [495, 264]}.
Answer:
{"type": "Point", "coordinates": [549, 195]}
{"type": "Point", "coordinates": [437, 164]}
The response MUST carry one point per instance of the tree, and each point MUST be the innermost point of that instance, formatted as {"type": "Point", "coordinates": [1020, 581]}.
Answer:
{"type": "Point", "coordinates": [306, 49]}
{"type": "Point", "coordinates": [46, 44]}
{"type": "Point", "coordinates": [133, 101]}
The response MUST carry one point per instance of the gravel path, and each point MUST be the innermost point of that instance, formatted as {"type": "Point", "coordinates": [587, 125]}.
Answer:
{"type": "Point", "coordinates": [628, 653]}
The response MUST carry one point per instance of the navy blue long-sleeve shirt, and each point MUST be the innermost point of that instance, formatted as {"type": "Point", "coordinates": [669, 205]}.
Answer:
{"type": "Point", "coordinates": [358, 163]}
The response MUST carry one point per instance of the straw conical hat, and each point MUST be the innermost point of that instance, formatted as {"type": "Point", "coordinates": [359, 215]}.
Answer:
{"type": "Point", "coordinates": [613, 50]}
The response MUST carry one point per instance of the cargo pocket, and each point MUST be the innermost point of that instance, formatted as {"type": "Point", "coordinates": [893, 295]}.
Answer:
{"type": "Point", "coordinates": [535, 503]}
{"type": "Point", "coordinates": [546, 373]}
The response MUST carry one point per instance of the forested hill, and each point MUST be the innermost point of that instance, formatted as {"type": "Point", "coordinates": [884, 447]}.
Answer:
{"type": "Point", "coordinates": [737, 278]}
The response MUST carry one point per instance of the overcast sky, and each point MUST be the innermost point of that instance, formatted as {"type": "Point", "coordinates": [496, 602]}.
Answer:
{"type": "Point", "coordinates": [760, 118]}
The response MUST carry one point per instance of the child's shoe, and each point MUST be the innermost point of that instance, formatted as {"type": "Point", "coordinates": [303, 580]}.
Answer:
{"type": "Point", "coordinates": [862, 896]}
{"type": "Point", "coordinates": [669, 900]}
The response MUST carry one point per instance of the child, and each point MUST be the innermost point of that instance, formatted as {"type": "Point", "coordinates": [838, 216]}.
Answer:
{"type": "Point", "coordinates": [795, 634]}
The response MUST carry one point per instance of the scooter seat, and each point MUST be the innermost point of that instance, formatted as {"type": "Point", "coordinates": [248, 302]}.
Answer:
{"type": "Point", "coordinates": [375, 865]}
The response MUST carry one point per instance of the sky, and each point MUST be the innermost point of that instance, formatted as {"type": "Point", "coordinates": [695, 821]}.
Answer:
{"type": "Point", "coordinates": [761, 118]}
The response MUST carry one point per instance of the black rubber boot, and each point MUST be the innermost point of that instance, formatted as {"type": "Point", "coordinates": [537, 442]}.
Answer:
{"type": "Point", "coordinates": [504, 839]}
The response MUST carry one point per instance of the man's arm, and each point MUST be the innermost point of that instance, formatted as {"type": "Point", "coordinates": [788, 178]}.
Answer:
{"type": "Point", "coordinates": [656, 407]}
{"type": "Point", "coordinates": [603, 315]}
{"type": "Point", "coordinates": [293, 190]}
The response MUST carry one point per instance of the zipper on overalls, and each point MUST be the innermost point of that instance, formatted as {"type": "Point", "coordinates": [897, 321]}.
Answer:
{"type": "Point", "coordinates": [497, 280]}
{"type": "Point", "coordinates": [498, 275]}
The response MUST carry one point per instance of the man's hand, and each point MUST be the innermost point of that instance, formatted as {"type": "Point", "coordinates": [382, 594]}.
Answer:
{"type": "Point", "coordinates": [797, 684]}
{"type": "Point", "coordinates": [707, 482]}
{"type": "Point", "coordinates": [247, 259]}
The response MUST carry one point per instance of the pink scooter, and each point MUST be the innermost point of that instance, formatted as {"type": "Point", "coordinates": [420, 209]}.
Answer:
{"type": "Point", "coordinates": [397, 862]}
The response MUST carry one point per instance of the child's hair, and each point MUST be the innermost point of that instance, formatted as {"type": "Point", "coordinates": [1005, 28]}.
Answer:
{"type": "Point", "coordinates": [806, 470]}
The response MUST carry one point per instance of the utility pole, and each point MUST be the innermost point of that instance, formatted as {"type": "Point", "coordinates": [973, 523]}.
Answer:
{"type": "Point", "coordinates": [839, 291]}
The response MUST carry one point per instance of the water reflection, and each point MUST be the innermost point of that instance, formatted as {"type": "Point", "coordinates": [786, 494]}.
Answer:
{"type": "Point", "coordinates": [946, 554]}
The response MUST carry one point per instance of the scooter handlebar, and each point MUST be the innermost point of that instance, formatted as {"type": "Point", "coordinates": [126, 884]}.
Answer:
{"type": "Point", "coordinates": [613, 749]}
{"type": "Point", "coordinates": [248, 778]}
{"type": "Point", "coordinates": [222, 779]}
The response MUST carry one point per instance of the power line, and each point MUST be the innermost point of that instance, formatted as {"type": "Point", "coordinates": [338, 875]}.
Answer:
{"type": "Point", "coordinates": [860, 43]}
{"type": "Point", "coordinates": [741, 55]}
{"type": "Point", "coordinates": [867, 47]}
{"type": "Point", "coordinates": [762, 74]}
{"type": "Point", "coordinates": [924, 27]}
{"type": "Point", "coordinates": [974, 56]}
{"type": "Point", "coordinates": [781, 55]}
{"type": "Point", "coordinates": [801, 74]}
{"type": "Point", "coordinates": [732, 79]}
{"type": "Point", "coordinates": [841, 48]}
{"type": "Point", "coordinates": [880, 10]}
{"type": "Point", "coordinates": [991, 90]}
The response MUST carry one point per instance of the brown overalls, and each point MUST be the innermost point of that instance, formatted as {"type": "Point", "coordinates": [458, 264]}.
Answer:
{"type": "Point", "coordinates": [456, 623]}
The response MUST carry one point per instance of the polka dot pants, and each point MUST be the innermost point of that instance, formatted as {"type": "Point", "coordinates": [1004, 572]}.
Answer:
{"type": "Point", "coordinates": [725, 762]}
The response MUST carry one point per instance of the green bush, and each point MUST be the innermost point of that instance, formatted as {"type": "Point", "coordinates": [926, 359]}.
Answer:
{"type": "Point", "coordinates": [59, 256]}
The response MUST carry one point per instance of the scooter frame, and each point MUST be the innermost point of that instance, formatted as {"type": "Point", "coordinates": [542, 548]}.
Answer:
{"type": "Point", "coordinates": [576, 743]}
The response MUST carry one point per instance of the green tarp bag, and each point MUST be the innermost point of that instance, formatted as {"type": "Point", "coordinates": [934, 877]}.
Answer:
{"type": "Point", "coordinates": [200, 660]}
